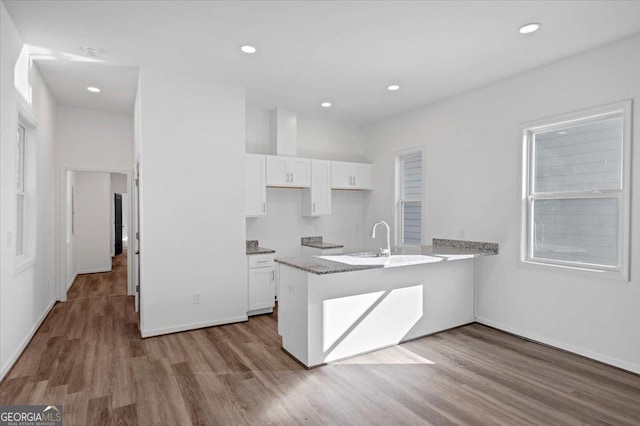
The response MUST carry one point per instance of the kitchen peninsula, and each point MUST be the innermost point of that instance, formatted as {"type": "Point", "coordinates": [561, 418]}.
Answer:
{"type": "Point", "coordinates": [337, 306]}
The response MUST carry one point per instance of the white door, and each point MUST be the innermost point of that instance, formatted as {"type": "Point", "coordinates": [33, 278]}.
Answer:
{"type": "Point", "coordinates": [362, 175]}
{"type": "Point", "coordinates": [320, 187]}
{"type": "Point", "coordinates": [136, 240]}
{"type": "Point", "coordinates": [255, 189]}
{"type": "Point", "coordinates": [261, 288]}
{"type": "Point", "coordinates": [300, 172]}
{"type": "Point", "coordinates": [340, 175]}
{"type": "Point", "coordinates": [277, 171]}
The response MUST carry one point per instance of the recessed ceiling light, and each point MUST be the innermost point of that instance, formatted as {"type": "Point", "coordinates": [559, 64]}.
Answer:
{"type": "Point", "coordinates": [91, 51]}
{"type": "Point", "coordinates": [248, 49]}
{"type": "Point", "coordinates": [530, 28]}
{"type": "Point", "coordinates": [325, 104]}
{"type": "Point", "coordinates": [93, 89]}
{"type": "Point", "coordinates": [562, 133]}
{"type": "Point", "coordinates": [393, 87]}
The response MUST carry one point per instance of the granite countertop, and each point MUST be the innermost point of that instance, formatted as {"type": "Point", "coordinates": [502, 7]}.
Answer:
{"type": "Point", "coordinates": [260, 250]}
{"type": "Point", "coordinates": [254, 248]}
{"type": "Point", "coordinates": [440, 251]}
{"type": "Point", "coordinates": [317, 242]}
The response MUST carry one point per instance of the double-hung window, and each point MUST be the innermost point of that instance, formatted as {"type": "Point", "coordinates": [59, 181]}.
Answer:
{"type": "Point", "coordinates": [410, 199]}
{"type": "Point", "coordinates": [576, 172]}
{"type": "Point", "coordinates": [25, 181]}
{"type": "Point", "coordinates": [20, 190]}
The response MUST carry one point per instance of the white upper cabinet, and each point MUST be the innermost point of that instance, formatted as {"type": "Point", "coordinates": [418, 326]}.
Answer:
{"type": "Point", "coordinates": [345, 175]}
{"type": "Point", "coordinates": [288, 171]}
{"type": "Point", "coordinates": [255, 185]}
{"type": "Point", "coordinates": [316, 201]}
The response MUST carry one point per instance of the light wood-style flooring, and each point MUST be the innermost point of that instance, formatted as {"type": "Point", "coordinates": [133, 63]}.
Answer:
{"type": "Point", "coordinates": [88, 356]}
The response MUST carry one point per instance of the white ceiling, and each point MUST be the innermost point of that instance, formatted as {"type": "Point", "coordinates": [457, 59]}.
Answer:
{"type": "Point", "coordinates": [346, 52]}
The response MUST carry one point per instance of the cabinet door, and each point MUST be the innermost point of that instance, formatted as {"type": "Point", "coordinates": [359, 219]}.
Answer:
{"type": "Point", "coordinates": [261, 288]}
{"type": "Point", "coordinates": [277, 171]}
{"type": "Point", "coordinates": [340, 175]}
{"type": "Point", "coordinates": [255, 189]}
{"type": "Point", "coordinates": [300, 172]}
{"type": "Point", "coordinates": [320, 188]}
{"type": "Point", "coordinates": [362, 175]}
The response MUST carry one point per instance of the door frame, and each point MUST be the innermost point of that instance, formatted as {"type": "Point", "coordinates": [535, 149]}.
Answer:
{"type": "Point", "coordinates": [61, 229]}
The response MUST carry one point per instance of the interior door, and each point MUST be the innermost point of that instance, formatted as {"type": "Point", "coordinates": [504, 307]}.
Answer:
{"type": "Point", "coordinates": [136, 240]}
{"type": "Point", "coordinates": [117, 223]}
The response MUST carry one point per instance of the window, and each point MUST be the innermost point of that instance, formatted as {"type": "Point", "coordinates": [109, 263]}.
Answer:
{"type": "Point", "coordinates": [25, 230]}
{"type": "Point", "coordinates": [409, 217]}
{"type": "Point", "coordinates": [576, 191]}
{"type": "Point", "coordinates": [20, 190]}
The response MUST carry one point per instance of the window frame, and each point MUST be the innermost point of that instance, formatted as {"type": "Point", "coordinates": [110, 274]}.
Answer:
{"type": "Point", "coordinates": [399, 200]}
{"type": "Point", "coordinates": [623, 195]}
{"type": "Point", "coordinates": [28, 257]}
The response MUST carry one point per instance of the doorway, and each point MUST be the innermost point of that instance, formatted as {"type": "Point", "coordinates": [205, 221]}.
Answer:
{"type": "Point", "coordinates": [89, 222]}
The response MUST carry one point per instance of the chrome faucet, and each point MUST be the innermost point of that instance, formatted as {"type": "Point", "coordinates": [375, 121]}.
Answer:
{"type": "Point", "coordinates": [383, 252]}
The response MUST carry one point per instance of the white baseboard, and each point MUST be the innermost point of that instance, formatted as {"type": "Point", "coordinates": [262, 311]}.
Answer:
{"type": "Point", "coordinates": [16, 354]}
{"type": "Point", "coordinates": [634, 368]}
{"type": "Point", "coordinates": [70, 283]}
{"type": "Point", "coordinates": [192, 326]}
{"type": "Point", "coordinates": [94, 271]}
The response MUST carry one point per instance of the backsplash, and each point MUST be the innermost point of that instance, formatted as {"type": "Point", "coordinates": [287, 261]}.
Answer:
{"type": "Point", "coordinates": [252, 245]}
{"type": "Point", "coordinates": [467, 245]}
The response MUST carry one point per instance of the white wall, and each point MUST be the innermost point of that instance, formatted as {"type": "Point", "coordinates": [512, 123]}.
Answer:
{"type": "Point", "coordinates": [192, 203]}
{"type": "Point", "coordinates": [92, 228]}
{"type": "Point", "coordinates": [283, 226]}
{"type": "Point", "coordinates": [472, 182]}
{"type": "Point", "coordinates": [93, 139]}
{"type": "Point", "coordinates": [26, 296]}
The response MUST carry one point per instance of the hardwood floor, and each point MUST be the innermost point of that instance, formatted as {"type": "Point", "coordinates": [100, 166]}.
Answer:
{"type": "Point", "coordinates": [88, 356]}
{"type": "Point", "coordinates": [112, 283]}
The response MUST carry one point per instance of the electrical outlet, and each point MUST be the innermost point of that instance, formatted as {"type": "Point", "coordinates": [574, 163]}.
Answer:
{"type": "Point", "coordinates": [315, 227]}
{"type": "Point", "coordinates": [197, 298]}
{"type": "Point", "coordinates": [462, 234]}
{"type": "Point", "coordinates": [292, 288]}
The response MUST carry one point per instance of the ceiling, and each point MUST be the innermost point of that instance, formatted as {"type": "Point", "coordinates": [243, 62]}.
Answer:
{"type": "Point", "coordinates": [344, 52]}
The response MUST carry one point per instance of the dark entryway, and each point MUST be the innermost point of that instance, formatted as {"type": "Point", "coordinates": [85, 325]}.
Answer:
{"type": "Point", "coordinates": [118, 224]}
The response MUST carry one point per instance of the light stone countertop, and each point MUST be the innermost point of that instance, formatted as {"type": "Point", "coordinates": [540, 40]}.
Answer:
{"type": "Point", "coordinates": [441, 251]}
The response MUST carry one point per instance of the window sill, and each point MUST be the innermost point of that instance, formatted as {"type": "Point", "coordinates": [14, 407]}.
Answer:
{"type": "Point", "coordinates": [610, 274]}
{"type": "Point", "coordinates": [23, 263]}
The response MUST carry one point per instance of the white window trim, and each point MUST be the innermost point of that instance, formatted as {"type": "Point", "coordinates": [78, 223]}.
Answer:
{"type": "Point", "coordinates": [620, 272]}
{"type": "Point", "coordinates": [28, 258]}
{"type": "Point", "coordinates": [398, 219]}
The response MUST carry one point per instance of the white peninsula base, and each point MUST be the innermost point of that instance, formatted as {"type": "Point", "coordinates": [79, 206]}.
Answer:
{"type": "Point", "coordinates": [324, 318]}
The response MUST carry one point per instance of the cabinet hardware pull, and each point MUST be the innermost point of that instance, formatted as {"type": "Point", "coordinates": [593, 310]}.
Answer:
{"type": "Point", "coordinates": [291, 177]}
{"type": "Point", "coordinates": [273, 275]}
{"type": "Point", "coordinates": [354, 181]}
{"type": "Point", "coordinates": [263, 208]}
{"type": "Point", "coordinates": [314, 207]}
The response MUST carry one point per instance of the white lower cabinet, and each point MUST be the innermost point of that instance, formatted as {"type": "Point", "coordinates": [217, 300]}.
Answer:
{"type": "Point", "coordinates": [262, 284]}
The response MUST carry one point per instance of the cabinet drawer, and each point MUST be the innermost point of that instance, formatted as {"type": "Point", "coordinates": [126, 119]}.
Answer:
{"type": "Point", "coordinates": [260, 261]}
